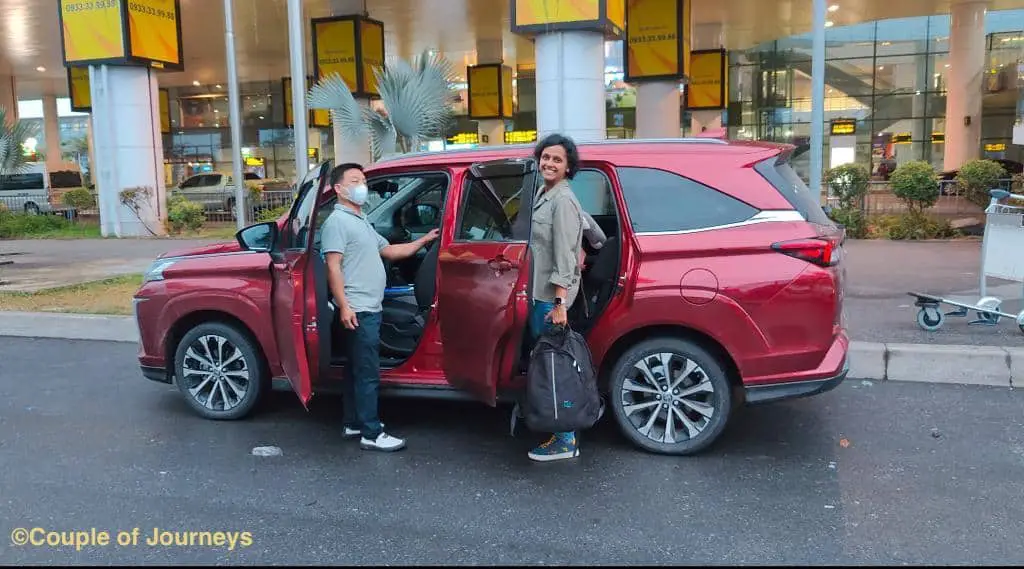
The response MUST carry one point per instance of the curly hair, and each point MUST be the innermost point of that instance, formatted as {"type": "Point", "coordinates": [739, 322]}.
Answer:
{"type": "Point", "coordinates": [572, 155]}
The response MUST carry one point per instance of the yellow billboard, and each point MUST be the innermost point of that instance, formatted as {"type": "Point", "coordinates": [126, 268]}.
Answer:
{"type": "Point", "coordinates": [79, 89]}
{"type": "Point", "coordinates": [319, 117]}
{"type": "Point", "coordinates": [484, 92]}
{"type": "Point", "coordinates": [92, 31]}
{"type": "Point", "coordinates": [165, 111]}
{"type": "Point", "coordinates": [708, 88]}
{"type": "Point", "coordinates": [506, 92]}
{"type": "Point", "coordinates": [122, 32]}
{"type": "Point", "coordinates": [540, 16]}
{"type": "Point", "coordinates": [371, 53]}
{"type": "Point", "coordinates": [154, 31]}
{"type": "Point", "coordinates": [657, 39]}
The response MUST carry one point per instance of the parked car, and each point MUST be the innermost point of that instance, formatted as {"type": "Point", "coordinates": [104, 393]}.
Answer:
{"type": "Point", "coordinates": [216, 191]}
{"type": "Point", "coordinates": [720, 285]}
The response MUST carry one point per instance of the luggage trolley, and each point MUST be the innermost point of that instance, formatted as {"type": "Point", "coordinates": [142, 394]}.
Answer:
{"type": "Point", "coordinates": [1001, 257]}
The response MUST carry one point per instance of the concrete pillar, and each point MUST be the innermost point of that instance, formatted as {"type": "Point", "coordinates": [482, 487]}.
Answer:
{"type": "Point", "coordinates": [964, 79]}
{"type": "Point", "coordinates": [490, 51]}
{"type": "Point", "coordinates": [570, 85]}
{"type": "Point", "coordinates": [51, 134]}
{"type": "Point", "coordinates": [345, 151]}
{"type": "Point", "coordinates": [657, 109]}
{"type": "Point", "coordinates": [128, 150]}
{"type": "Point", "coordinates": [8, 90]}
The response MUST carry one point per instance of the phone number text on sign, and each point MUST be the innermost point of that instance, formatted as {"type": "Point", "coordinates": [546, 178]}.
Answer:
{"type": "Point", "coordinates": [136, 537]}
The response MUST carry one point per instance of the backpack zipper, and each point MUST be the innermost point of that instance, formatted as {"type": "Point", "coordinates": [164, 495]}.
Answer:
{"type": "Point", "coordinates": [554, 390]}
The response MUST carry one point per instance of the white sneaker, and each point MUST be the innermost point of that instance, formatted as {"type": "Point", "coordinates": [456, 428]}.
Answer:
{"type": "Point", "coordinates": [353, 433]}
{"type": "Point", "coordinates": [384, 442]}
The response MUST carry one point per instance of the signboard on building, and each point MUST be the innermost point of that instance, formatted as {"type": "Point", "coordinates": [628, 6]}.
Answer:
{"type": "Point", "coordinates": [657, 40]}
{"type": "Point", "coordinates": [490, 91]}
{"type": "Point", "coordinates": [531, 17]}
{"type": "Point", "coordinates": [352, 47]}
{"type": "Point", "coordinates": [708, 88]}
{"type": "Point", "coordinates": [122, 32]}
{"type": "Point", "coordinates": [317, 117]}
{"type": "Point", "coordinates": [843, 127]}
{"type": "Point", "coordinates": [79, 89]}
{"type": "Point", "coordinates": [165, 111]}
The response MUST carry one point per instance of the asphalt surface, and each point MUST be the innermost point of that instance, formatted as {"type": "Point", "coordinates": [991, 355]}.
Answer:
{"type": "Point", "coordinates": [881, 273]}
{"type": "Point", "coordinates": [871, 473]}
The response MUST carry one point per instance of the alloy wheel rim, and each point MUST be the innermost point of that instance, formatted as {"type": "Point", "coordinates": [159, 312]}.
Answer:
{"type": "Point", "coordinates": [668, 398]}
{"type": "Point", "coordinates": [216, 373]}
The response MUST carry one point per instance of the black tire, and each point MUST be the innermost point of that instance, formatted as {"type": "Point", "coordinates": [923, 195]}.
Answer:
{"type": "Point", "coordinates": [31, 209]}
{"type": "Point", "coordinates": [255, 387]}
{"type": "Point", "coordinates": [719, 401]}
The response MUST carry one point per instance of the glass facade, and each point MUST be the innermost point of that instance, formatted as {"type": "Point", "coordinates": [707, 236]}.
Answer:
{"type": "Point", "coordinates": [889, 76]}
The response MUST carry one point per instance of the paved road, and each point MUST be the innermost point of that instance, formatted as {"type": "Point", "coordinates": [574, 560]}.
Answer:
{"type": "Point", "coordinates": [86, 443]}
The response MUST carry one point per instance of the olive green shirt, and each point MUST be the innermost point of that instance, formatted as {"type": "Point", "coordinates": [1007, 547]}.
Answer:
{"type": "Point", "coordinates": [556, 243]}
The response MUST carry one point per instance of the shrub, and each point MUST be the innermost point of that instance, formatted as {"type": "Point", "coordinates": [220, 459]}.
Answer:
{"type": "Point", "coordinates": [910, 226]}
{"type": "Point", "coordinates": [915, 183]}
{"type": "Point", "coordinates": [977, 177]}
{"type": "Point", "coordinates": [849, 183]}
{"type": "Point", "coordinates": [852, 219]}
{"type": "Point", "coordinates": [183, 214]}
{"type": "Point", "coordinates": [272, 214]}
{"type": "Point", "coordinates": [79, 198]}
{"type": "Point", "coordinates": [16, 225]}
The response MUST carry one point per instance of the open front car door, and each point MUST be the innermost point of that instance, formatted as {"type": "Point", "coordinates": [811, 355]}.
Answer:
{"type": "Point", "coordinates": [484, 274]}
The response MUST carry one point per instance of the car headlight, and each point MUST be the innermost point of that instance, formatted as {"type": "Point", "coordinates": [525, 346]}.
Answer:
{"type": "Point", "coordinates": [155, 272]}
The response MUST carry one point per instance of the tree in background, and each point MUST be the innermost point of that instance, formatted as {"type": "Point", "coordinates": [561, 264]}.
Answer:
{"type": "Point", "coordinates": [416, 96]}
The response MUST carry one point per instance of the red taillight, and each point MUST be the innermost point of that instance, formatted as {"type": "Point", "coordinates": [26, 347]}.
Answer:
{"type": "Point", "coordinates": [821, 252]}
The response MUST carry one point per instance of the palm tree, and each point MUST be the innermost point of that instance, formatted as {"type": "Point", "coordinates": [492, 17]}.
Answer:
{"type": "Point", "coordinates": [416, 97]}
{"type": "Point", "coordinates": [13, 135]}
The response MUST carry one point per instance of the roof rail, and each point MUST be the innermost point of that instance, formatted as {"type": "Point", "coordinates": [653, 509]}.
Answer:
{"type": "Point", "coordinates": [623, 141]}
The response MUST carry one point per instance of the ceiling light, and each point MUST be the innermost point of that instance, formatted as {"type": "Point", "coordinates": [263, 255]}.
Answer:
{"type": "Point", "coordinates": [196, 83]}
{"type": "Point", "coordinates": [219, 87]}
{"type": "Point", "coordinates": [833, 7]}
{"type": "Point", "coordinates": [829, 24]}
{"type": "Point", "coordinates": [41, 69]}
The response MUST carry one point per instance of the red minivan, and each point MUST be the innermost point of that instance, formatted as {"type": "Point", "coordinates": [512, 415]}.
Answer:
{"type": "Point", "coordinates": [720, 284]}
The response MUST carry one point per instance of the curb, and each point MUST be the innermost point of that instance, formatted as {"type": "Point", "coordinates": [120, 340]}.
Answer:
{"type": "Point", "coordinates": [923, 363]}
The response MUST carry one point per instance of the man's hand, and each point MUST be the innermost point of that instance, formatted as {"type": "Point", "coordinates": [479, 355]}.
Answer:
{"type": "Point", "coordinates": [431, 235]}
{"type": "Point", "coordinates": [348, 317]}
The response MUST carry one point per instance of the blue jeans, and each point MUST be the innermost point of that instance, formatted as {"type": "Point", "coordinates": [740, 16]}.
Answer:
{"type": "Point", "coordinates": [362, 374]}
{"type": "Point", "coordinates": [538, 312]}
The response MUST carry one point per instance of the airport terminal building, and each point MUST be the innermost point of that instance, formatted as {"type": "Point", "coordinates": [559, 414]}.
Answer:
{"type": "Point", "coordinates": [137, 92]}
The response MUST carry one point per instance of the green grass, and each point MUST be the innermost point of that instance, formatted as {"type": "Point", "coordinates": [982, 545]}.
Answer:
{"type": "Point", "coordinates": [21, 226]}
{"type": "Point", "coordinates": [107, 296]}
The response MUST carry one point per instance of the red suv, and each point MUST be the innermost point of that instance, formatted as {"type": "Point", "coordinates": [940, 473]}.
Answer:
{"type": "Point", "coordinates": [720, 284]}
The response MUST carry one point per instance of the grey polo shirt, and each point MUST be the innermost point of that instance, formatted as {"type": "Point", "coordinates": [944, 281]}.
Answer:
{"type": "Point", "coordinates": [350, 234]}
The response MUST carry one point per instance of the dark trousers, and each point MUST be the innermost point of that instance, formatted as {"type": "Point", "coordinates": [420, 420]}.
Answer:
{"type": "Point", "coordinates": [362, 374]}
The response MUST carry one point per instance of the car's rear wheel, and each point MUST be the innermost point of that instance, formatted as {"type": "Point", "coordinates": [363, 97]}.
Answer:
{"type": "Point", "coordinates": [219, 371]}
{"type": "Point", "coordinates": [670, 396]}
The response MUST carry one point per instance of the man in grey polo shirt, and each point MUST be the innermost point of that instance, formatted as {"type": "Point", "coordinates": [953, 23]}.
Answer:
{"type": "Point", "coordinates": [355, 274]}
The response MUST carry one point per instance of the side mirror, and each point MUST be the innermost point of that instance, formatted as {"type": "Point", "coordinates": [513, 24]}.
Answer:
{"type": "Point", "coordinates": [422, 215]}
{"type": "Point", "coordinates": [259, 237]}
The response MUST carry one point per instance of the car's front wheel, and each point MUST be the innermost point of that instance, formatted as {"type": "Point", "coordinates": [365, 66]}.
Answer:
{"type": "Point", "coordinates": [670, 396]}
{"type": "Point", "coordinates": [219, 371]}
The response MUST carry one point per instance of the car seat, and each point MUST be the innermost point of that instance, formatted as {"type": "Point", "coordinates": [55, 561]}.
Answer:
{"type": "Point", "coordinates": [597, 285]}
{"type": "Point", "coordinates": [404, 318]}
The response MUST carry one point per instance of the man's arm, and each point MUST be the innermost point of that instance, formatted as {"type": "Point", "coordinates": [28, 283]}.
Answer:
{"type": "Point", "coordinates": [406, 250]}
{"type": "Point", "coordinates": [336, 283]}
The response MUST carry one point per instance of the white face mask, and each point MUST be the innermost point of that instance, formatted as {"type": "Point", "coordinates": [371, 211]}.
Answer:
{"type": "Point", "coordinates": [358, 194]}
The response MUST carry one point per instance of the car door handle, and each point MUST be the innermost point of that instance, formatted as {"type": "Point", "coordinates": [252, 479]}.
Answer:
{"type": "Point", "coordinates": [500, 264]}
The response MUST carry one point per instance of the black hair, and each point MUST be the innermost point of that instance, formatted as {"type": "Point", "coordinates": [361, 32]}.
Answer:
{"type": "Point", "coordinates": [339, 171]}
{"type": "Point", "coordinates": [572, 155]}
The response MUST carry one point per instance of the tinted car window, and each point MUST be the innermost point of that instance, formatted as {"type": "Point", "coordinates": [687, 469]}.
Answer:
{"type": "Point", "coordinates": [21, 182]}
{"type": "Point", "coordinates": [662, 201]}
{"type": "Point", "coordinates": [489, 210]}
{"type": "Point", "coordinates": [593, 191]}
{"type": "Point", "coordinates": [782, 176]}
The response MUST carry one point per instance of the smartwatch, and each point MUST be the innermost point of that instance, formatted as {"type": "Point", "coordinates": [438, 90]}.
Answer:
{"type": "Point", "coordinates": [558, 301]}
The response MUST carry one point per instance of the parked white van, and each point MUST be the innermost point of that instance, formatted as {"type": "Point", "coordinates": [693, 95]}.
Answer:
{"type": "Point", "coordinates": [27, 191]}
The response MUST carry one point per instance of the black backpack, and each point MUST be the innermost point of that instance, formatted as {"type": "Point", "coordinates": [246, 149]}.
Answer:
{"type": "Point", "coordinates": [561, 384]}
